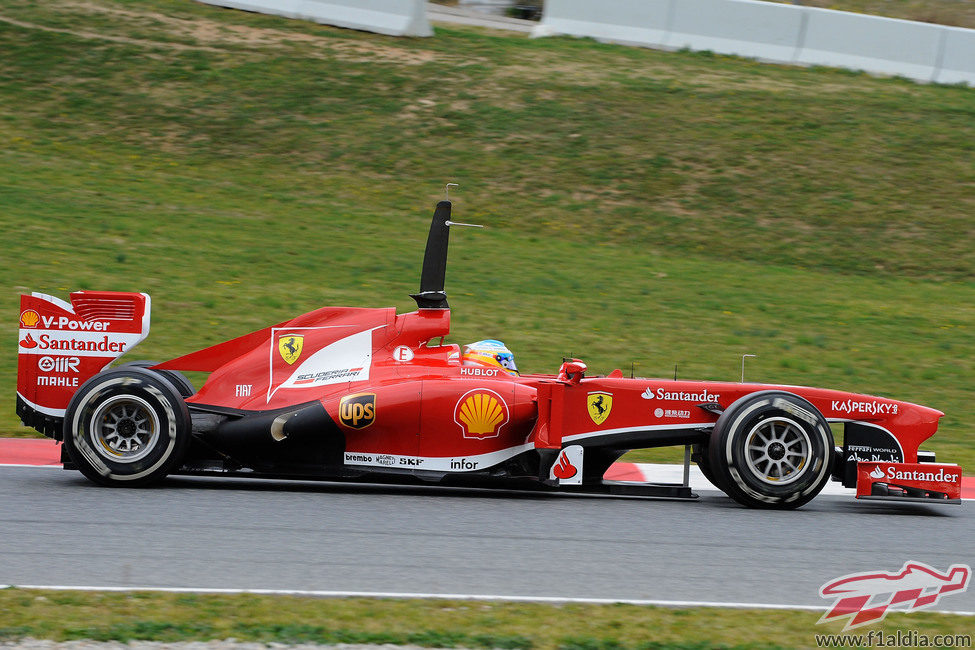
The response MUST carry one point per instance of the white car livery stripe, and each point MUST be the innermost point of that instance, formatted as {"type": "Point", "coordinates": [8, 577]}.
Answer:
{"type": "Point", "coordinates": [57, 413]}
{"type": "Point", "coordinates": [79, 344]}
{"type": "Point", "coordinates": [345, 360]}
{"type": "Point", "coordinates": [893, 438]}
{"type": "Point", "coordinates": [482, 461]}
{"type": "Point", "coordinates": [652, 427]}
{"type": "Point", "coordinates": [436, 463]}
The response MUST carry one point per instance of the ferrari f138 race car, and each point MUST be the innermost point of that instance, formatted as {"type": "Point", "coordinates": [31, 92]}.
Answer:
{"type": "Point", "coordinates": [369, 395]}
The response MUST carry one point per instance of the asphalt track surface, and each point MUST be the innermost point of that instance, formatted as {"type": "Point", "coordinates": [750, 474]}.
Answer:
{"type": "Point", "coordinates": [57, 529]}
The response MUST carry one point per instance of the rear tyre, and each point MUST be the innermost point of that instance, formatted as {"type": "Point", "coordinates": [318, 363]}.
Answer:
{"type": "Point", "coordinates": [127, 426]}
{"type": "Point", "coordinates": [771, 449]}
{"type": "Point", "coordinates": [175, 377]}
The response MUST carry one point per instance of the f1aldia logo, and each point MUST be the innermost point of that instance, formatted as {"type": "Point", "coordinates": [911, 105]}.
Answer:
{"type": "Point", "coordinates": [864, 598]}
{"type": "Point", "coordinates": [358, 411]}
{"type": "Point", "coordinates": [481, 413]}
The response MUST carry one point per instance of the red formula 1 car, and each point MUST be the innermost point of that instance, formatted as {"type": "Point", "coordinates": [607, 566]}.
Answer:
{"type": "Point", "coordinates": [354, 394]}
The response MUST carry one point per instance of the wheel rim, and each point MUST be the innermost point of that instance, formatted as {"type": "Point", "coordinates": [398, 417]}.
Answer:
{"type": "Point", "coordinates": [777, 451]}
{"type": "Point", "coordinates": [124, 428]}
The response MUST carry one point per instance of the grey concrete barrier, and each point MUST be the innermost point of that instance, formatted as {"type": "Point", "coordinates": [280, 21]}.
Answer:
{"type": "Point", "coordinates": [957, 63]}
{"type": "Point", "coordinates": [749, 28]}
{"type": "Point", "coordinates": [392, 17]}
{"type": "Point", "coordinates": [776, 32]}
{"type": "Point", "coordinates": [638, 22]}
{"type": "Point", "coordinates": [870, 43]}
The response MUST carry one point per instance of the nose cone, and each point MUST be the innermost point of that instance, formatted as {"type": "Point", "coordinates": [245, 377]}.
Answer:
{"type": "Point", "coordinates": [931, 414]}
{"type": "Point", "coordinates": [919, 415]}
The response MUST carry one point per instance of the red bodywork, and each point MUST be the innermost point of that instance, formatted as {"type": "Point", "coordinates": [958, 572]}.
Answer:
{"type": "Point", "coordinates": [345, 392]}
{"type": "Point", "coordinates": [62, 344]}
{"type": "Point", "coordinates": [924, 481]}
{"type": "Point", "coordinates": [419, 386]}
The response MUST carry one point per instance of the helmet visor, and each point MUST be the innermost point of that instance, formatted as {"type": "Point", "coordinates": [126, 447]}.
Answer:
{"type": "Point", "coordinates": [507, 360]}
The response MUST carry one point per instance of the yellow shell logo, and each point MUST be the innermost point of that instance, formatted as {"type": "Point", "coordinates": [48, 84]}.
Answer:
{"type": "Point", "coordinates": [29, 318]}
{"type": "Point", "coordinates": [481, 413]}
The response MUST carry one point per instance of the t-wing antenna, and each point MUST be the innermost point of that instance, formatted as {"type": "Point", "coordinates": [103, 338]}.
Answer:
{"type": "Point", "coordinates": [432, 295]}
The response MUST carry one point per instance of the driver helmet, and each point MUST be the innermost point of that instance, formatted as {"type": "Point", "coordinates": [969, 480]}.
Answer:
{"type": "Point", "coordinates": [490, 353]}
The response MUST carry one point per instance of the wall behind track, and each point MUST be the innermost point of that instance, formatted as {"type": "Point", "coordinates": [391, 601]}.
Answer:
{"type": "Point", "coordinates": [392, 17]}
{"type": "Point", "coordinates": [774, 32]}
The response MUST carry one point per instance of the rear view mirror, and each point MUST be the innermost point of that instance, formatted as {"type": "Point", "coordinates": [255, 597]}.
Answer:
{"type": "Point", "coordinates": [572, 371]}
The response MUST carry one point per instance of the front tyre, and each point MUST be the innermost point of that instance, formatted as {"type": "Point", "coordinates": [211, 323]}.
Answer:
{"type": "Point", "coordinates": [128, 426]}
{"type": "Point", "coordinates": [703, 460]}
{"type": "Point", "coordinates": [771, 449]}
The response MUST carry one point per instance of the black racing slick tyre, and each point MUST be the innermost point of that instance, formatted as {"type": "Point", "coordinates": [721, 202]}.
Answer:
{"type": "Point", "coordinates": [771, 449]}
{"type": "Point", "coordinates": [176, 378]}
{"type": "Point", "coordinates": [127, 426]}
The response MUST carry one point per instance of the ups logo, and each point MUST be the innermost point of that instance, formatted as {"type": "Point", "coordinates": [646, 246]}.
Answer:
{"type": "Point", "coordinates": [358, 411]}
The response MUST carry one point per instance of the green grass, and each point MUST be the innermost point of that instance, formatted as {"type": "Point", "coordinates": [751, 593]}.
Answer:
{"type": "Point", "coordinates": [642, 207]}
{"type": "Point", "coordinates": [61, 616]}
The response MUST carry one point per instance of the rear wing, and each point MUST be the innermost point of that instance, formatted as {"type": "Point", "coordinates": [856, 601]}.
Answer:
{"type": "Point", "coordinates": [61, 345]}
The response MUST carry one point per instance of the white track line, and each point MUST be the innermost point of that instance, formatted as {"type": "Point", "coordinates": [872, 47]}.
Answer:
{"type": "Point", "coordinates": [479, 597]}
